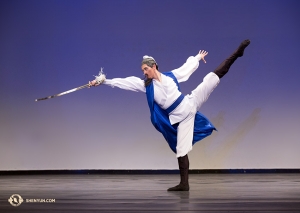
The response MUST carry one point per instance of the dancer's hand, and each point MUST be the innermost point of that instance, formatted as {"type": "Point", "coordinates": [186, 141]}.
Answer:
{"type": "Point", "coordinates": [202, 54]}
{"type": "Point", "coordinates": [93, 83]}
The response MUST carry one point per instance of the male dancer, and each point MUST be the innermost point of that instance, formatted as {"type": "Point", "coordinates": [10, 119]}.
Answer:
{"type": "Point", "coordinates": [174, 115]}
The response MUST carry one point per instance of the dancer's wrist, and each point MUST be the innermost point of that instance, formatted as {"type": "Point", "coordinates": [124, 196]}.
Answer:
{"type": "Point", "coordinates": [198, 57]}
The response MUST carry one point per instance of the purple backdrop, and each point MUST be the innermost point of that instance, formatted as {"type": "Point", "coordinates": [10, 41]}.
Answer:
{"type": "Point", "coordinates": [47, 47]}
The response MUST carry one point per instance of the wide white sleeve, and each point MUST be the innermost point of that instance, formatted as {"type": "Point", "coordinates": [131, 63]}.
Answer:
{"type": "Point", "coordinates": [186, 70]}
{"type": "Point", "coordinates": [130, 83]}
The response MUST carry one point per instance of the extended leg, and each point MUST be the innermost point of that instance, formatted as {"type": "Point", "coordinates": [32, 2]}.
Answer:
{"type": "Point", "coordinates": [184, 164]}
{"type": "Point", "coordinates": [223, 68]}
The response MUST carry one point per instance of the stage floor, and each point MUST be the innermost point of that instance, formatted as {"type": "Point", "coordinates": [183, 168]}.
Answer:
{"type": "Point", "coordinates": [148, 193]}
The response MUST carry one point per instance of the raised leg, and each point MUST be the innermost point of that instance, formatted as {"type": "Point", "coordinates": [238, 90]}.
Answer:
{"type": "Point", "coordinates": [223, 68]}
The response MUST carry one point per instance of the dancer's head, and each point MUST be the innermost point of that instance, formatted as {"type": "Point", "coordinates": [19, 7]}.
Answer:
{"type": "Point", "coordinates": [149, 66]}
{"type": "Point", "coordinates": [149, 61]}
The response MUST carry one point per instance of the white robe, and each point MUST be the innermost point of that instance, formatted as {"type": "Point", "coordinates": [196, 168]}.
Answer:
{"type": "Point", "coordinates": [166, 92]}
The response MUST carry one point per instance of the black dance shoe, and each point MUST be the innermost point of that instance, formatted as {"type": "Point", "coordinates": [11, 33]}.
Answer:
{"type": "Point", "coordinates": [240, 51]}
{"type": "Point", "coordinates": [180, 187]}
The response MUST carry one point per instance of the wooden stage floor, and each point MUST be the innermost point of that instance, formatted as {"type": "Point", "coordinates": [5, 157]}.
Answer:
{"type": "Point", "coordinates": [148, 193]}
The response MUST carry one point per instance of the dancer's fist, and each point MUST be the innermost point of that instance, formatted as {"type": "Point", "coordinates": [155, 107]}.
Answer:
{"type": "Point", "coordinates": [93, 83]}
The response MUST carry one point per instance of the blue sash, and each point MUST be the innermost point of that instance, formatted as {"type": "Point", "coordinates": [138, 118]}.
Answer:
{"type": "Point", "coordinates": [160, 118]}
{"type": "Point", "coordinates": [175, 104]}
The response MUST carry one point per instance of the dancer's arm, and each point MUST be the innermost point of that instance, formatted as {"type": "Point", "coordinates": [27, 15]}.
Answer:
{"type": "Point", "coordinates": [130, 83]}
{"type": "Point", "coordinates": [186, 70]}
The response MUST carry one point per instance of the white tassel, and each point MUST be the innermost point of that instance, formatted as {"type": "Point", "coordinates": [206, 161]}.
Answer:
{"type": "Point", "coordinates": [100, 77]}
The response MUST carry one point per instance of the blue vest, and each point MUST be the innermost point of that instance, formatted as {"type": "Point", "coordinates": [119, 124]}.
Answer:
{"type": "Point", "coordinates": [160, 118]}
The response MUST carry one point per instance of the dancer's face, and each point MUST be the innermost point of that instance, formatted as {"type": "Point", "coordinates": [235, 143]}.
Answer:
{"type": "Point", "coordinates": [149, 72]}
